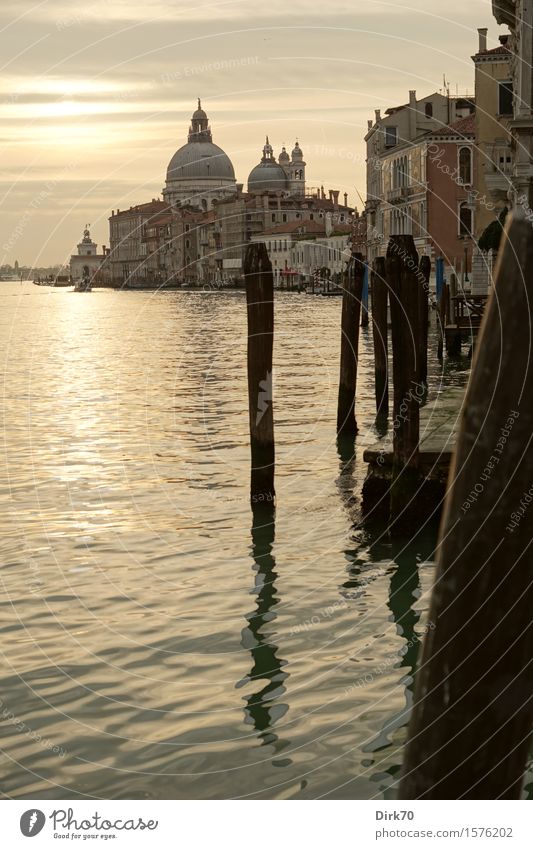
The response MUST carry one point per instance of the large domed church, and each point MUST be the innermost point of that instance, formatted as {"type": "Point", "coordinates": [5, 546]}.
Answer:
{"type": "Point", "coordinates": [200, 171]}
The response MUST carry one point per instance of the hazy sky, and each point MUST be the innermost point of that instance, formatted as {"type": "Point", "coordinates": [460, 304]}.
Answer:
{"type": "Point", "coordinates": [96, 97]}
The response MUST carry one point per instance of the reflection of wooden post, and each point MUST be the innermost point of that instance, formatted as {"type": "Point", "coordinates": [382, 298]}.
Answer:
{"type": "Point", "coordinates": [260, 308]}
{"type": "Point", "coordinates": [380, 336]}
{"type": "Point", "coordinates": [401, 272]}
{"type": "Point", "coordinates": [351, 311]}
{"type": "Point", "coordinates": [423, 318]}
{"type": "Point", "coordinates": [473, 707]}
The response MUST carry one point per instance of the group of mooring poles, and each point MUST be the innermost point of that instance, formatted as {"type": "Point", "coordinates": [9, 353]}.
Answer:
{"type": "Point", "coordinates": [398, 279]}
{"type": "Point", "coordinates": [472, 715]}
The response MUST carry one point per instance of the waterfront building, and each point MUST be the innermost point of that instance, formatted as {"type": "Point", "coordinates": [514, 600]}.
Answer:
{"type": "Point", "coordinates": [299, 250]}
{"type": "Point", "coordinates": [398, 194]}
{"type": "Point", "coordinates": [129, 259]}
{"type": "Point", "coordinates": [87, 262]}
{"type": "Point", "coordinates": [493, 151]}
{"type": "Point", "coordinates": [518, 16]}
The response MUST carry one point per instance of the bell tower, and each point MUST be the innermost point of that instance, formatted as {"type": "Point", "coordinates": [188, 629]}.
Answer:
{"type": "Point", "coordinates": [296, 172]}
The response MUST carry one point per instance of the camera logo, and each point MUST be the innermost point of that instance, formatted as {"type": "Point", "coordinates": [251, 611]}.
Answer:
{"type": "Point", "coordinates": [32, 822]}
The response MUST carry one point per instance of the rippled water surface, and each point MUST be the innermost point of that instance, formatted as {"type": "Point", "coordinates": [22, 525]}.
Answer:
{"type": "Point", "coordinates": [154, 643]}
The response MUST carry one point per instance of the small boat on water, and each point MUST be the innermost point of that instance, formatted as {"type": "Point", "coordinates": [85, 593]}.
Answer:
{"type": "Point", "coordinates": [84, 284]}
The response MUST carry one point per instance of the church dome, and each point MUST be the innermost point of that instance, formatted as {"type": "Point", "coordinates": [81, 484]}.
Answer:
{"type": "Point", "coordinates": [268, 175]}
{"type": "Point", "coordinates": [284, 156]}
{"type": "Point", "coordinates": [200, 160]}
{"type": "Point", "coordinates": [199, 166]}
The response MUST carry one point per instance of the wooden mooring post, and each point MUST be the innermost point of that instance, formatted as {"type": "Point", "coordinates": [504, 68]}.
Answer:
{"type": "Point", "coordinates": [351, 312]}
{"type": "Point", "coordinates": [380, 338]}
{"type": "Point", "coordinates": [442, 319]}
{"type": "Point", "coordinates": [260, 311]}
{"type": "Point", "coordinates": [401, 268]}
{"type": "Point", "coordinates": [423, 319]}
{"type": "Point", "coordinates": [472, 715]}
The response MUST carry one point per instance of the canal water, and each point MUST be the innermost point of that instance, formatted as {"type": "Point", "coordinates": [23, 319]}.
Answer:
{"type": "Point", "coordinates": [154, 643]}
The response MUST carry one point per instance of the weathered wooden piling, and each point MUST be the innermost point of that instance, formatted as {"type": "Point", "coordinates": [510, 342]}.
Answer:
{"type": "Point", "coordinates": [364, 297]}
{"type": "Point", "coordinates": [260, 310]}
{"type": "Point", "coordinates": [442, 320]}
{"type": "Point", "coordinates": [473, 706]}
{"type": "Point", "coordinates": [380, 338]}
{"type": "Point", "coordinates": [351, 312]}
{"type": "Point", "coordinates": [423, 319]}
{"type": "Point", "coordinates": [401, 268]}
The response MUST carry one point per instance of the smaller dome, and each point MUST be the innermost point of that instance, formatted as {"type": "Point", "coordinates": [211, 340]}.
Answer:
{"type": "Point", "coordinates": [199, 114]}
{"type": "Point", "coordinates": [284, 156]}
{"type": "Point", "coordinates": [267, 176]}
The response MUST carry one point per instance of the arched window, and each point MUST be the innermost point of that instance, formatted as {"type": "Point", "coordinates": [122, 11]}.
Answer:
{"type": "Point", "coordinates": [465, 220]}
{"type": "Point", "coordinates": [465, 166]}
{"type": "Point", "coordinates": [429, 110]}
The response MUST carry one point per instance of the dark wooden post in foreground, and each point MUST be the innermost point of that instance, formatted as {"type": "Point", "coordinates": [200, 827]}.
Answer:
{"type": "Point", "coordinates": [401, 270]}
{"type": "Point", "coordinates": [473, 706]}
{"type": "Point", "coordinates": [423, 319]}
{"type": "Point", "coordinates": [260, 309]}
{"type": "Point", "coordinates": [351, 312]}
{"type": "Point", "coordinates": [380, 336]}
{"type": "Point", "coordinates": [442, 320]}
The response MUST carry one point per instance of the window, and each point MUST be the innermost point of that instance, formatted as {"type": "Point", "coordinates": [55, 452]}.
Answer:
{"type": "Point", "coordinates": [505, 98]}
{"type": "Point", "coordinates": [391, 136]}
{"type": "Point", "coordinates": [284, 216]}
{"type": "Point", "coordinates": [465, 166]}
{"type": "Point", "coordinates": [465, 220]}
{"type": "Point", "coordinates": [429, 110]}
{"type": "Point", "coordinates": [273, 216]}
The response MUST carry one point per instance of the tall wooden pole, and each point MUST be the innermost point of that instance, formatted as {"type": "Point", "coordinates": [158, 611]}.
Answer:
{"type": "Point", "coordinates": [260, 309]}
{"type": "Point", "coordinates": [473, 706]}
{"type": "Point", "coordinates": [423, 319]}
{"type": "Point", "coordinates": [401, 273]}
{"type": "Point", "coordinates": [442, 320]}
{"type": "Point", "coordinates": [380, 337]}
{"type": "Point", "coordinates": [351, 312]}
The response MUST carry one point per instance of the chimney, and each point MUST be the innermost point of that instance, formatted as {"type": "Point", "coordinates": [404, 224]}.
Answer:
{"type": "Point", "coordinates": [378, 116]}
{"type": "Point", "coordinates": [330, 194]}
{"type": "Point", "coordinates": [345, 198]}
{"type": "Point", "coordinates": [482, 32]}
{"type": "Point", "coordinates": [412, 114]}
{"type": "Point", "coordinates": [335, 195]}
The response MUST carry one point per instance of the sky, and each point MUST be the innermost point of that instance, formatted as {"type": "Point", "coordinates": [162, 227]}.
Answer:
{"type": "Point", "coordinates": [96, 97]}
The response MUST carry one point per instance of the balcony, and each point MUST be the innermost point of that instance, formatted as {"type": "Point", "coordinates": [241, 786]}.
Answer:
{"type": "Point", "coordinates": [398, 195]}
